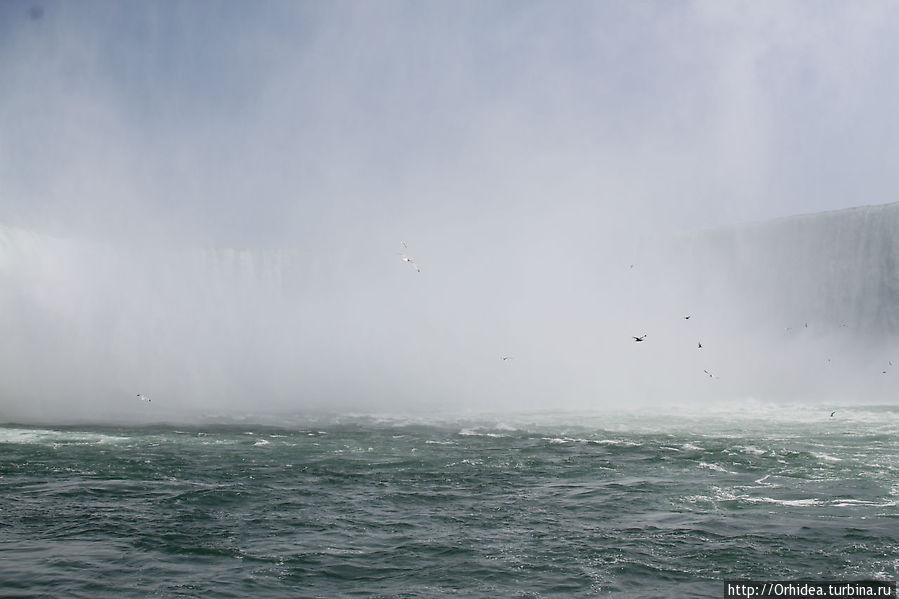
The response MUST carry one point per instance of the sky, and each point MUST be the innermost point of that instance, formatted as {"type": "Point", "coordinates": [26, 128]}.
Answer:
{"type": "Point", "coordinates": [278, 124]}
{"type": "Point", "coordinates": [522, 151]}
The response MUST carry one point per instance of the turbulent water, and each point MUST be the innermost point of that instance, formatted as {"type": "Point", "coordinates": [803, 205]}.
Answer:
{"type": "Point", "coordinates": [530, 506]}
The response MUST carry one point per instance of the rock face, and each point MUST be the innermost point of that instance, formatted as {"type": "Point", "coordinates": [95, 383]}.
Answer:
{"type": "Point", "coordinates": [834, 270]}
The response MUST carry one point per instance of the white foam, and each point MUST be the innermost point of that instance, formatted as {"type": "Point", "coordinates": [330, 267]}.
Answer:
{"type": "Point", "coordinates": [862, 502]}
{"type": "Point", "coordinates": [617, 442]}
{"type": "Point", "coordinates": [714, 467]}
{"type": "Point", "coordinates": [729, 495]}
{"type": "Point", "coordinates": [827, 458]}
{"type": "Point", "coordinates": [27, 436]}
{"type": "Point", "coordinates": [477, 432]}
{"type": "Point", "coordinates": [788, 502]}
{"type": "Point", "coordinates": [752, 450]}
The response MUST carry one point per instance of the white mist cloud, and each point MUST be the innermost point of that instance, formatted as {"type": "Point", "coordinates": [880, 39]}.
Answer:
{"type": "Point", "coordinates": [525, 151]}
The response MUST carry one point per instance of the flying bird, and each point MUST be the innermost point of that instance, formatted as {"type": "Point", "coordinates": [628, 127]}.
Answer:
{"type": "Point", "coordinates": [687, 317]}
{"type": "Point", "coordinates": [639, 339]}
{"type": "Point", "coordinates": [505, 358]}
{"type": "Point", "coordinates": [711, 376]}
{"type": "Point", "coordinates": [832, 413]}
{"type": "Point", "coordinates": [411, 262]}
{"type": "Point", "coordinates": [142, 397]}
{"type": "Point", "coordinates": [408, 259]}
{"type": "Point", "coordinates": [699, 344]}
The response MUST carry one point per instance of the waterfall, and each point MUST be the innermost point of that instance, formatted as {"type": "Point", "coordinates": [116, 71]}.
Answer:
{"type": "Point", "coordinates": [88, 324]}
{"type": "Point", "coordinates": [834, 270]}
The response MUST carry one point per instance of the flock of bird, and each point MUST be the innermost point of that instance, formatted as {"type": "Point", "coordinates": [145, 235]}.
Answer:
{"type": "Point", "coordinates": [641, 338]}
{"type": "Point", "coordinates": [637, 338]}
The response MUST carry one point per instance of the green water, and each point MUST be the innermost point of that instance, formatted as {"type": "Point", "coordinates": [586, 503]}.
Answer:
{"type": "Point", "coordinates": [514, 506]}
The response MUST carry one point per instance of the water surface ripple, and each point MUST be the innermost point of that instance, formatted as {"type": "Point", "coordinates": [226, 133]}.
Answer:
{"type": "Point", "coordinates": [366, 507]}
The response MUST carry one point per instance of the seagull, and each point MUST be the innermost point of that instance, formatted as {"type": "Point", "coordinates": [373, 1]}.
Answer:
{"type": "Point", "coordinates": [832, 413]}
{"type": "Point", "coordinates": [699, 345]}
{"type": "Point", "coordinates": [505, 358]}
{"type": "Point", "coordinates": [687, 317]}
{"type": "Point", "coordinates": [143, 397]}
{"type": "Point", "coordinates": [411, 262]}
{"type": "Point", "coordinates": [711, 376]}
{"type": "Point", "coordinates": [639, 339]}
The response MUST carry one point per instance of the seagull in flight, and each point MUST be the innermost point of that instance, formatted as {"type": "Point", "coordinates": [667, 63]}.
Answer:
{"type": "Point", "coordinates": [699, 344]}
{"type": "Point", "coordinates": [411, 262]}
{"type": "Point", "coordinates": [143, 397]}
{"type": "Point", "coordinates": [687, 317]}
{"type": "Point", "coordinates": [639, 339]}
{"type": "Point", "coordinates": [507, 358]}
{"type": "Point", "coordinates": [408, 259]}
{"type": "Point", "coordinates": [711, 376]}
{"type": "Point", "coordinates": [832, 413]}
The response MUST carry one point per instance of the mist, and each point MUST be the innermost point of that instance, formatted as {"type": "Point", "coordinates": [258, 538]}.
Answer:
{"type": "Point", "coordinates": [205, 203]}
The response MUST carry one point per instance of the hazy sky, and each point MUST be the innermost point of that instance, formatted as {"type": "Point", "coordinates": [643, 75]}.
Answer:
{"type": "Point", "coordinates": [281, 124]}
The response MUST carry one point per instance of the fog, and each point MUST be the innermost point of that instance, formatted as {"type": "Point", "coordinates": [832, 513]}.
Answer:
{"type": "Point", "coordinates": [206, 202]}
